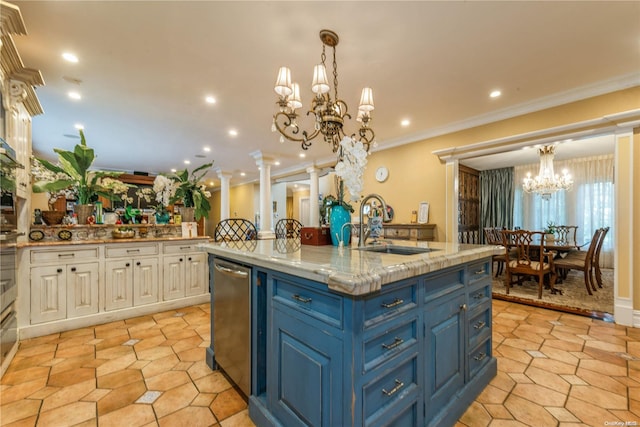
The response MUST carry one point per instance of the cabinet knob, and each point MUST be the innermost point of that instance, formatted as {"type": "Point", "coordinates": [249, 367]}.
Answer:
{"type": "Point", "coordinates": [73, 269]}
{"type": "Point", "coordinates": [189, 258]}
{"type": "Point", "coordinates": [138, 263]}
{"type": "Point", "coordinates": [59, 270]}
{"type": "Point", "coordinates": [180, 259]}
{"type": "Point", "coordinates": [463, 307]}
{"type": "Point", "coordinates": [127, 264]}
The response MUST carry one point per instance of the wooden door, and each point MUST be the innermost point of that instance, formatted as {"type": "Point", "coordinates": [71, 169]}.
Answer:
{"type": "Point", "coordinates": [468, 205]}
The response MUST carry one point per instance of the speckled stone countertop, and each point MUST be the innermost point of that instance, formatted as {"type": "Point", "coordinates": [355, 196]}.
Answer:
{"type": "Point", "coordinates": [348, 270]}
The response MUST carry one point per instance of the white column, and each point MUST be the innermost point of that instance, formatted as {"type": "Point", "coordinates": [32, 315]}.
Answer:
{"type": "Point", "coordinates": [314, 209]}
{"type": "Point", "coordinates": [266, 205]}
{"type": "Point", "coordinates": [225, 177]}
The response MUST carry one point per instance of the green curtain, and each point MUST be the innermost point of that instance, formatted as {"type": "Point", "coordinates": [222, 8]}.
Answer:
{"type": "Point", "coordinates": [496, 198]}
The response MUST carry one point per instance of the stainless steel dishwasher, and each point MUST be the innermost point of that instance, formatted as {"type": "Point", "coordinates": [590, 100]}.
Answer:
{"type": "Point", "coordinates": [232, 321]}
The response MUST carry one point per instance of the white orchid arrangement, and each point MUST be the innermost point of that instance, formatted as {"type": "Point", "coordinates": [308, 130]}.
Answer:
{"type": "Point", "coordinates": [352, 160]}
{"type": "Point", "coordinates": [117, 189]}
{"type": "Point", "coordinates": [165, 189]}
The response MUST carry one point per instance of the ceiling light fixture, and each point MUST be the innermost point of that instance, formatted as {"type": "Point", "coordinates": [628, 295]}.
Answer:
{"type": "Point", "coordinates": [495, 94]}
{"type": "Point", "coordinates": [329, 113]}
{"type": "Point", "coordinates": [233, 132]}
{"type": "Point", "coordinates": [74, 95]}
{"type": "Point", "coordinates": [210, 100]}
{"type": "Point", "coordinates": [78, 126]}
{"type": "Point", "coordinates": [547, 182]}
{"type": "Point", "coordinates": [405, 122]}
{"type": "Point", "coordinates": [187, 162]}
{"type": "Point", "coordinates": [69, 57]}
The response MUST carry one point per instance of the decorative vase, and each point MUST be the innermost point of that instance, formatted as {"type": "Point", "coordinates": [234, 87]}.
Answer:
{"type": "Point", "coordinates": [339, 216]}
{"type": "Point", "coordinates": [162, 218]}
{"type": "Point", "coordinates": [53, 217]}
{"type": "Point", "coordinates": [187, 213]}
{"type": "Point", "coordinates": [83, 212]}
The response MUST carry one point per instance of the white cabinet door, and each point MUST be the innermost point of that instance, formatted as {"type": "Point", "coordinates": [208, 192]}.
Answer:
{"type": "Point", "coordinates": [196, 282]}
{"type": "Point", "coordinates": [82, 289]}
{"type": "Point", "coordinates": [118, 284]}
{"type": "Point", "coordinates": [48, 294]}
{"type": "Point", "coordinates": [145, 281]}
{"type": "Point", "coordinates": [174, 277]}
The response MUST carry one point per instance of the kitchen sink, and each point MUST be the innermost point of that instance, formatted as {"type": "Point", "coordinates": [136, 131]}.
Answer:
{"type": "Point", "coordinates": [396, 249]}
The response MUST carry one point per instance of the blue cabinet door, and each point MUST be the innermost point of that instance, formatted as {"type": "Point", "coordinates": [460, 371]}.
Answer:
{"type": "Point", "coordinates": [445, 352]}
{"type": "Point", "coordinates": [304, 382]}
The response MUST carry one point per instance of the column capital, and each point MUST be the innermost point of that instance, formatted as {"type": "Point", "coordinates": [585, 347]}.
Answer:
{"type": "Point", "coordinates": [222, 174]}
{"type": "Point", "coordinates": [312, 169]}
{"type": "Point", "coordinates": [262, 159]}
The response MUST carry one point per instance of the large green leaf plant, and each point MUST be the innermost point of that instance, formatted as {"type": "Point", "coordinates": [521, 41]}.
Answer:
{"type": "Point", "coordinates": [72, 173]}
{"type": "Point", "coordinates": [191, 192]}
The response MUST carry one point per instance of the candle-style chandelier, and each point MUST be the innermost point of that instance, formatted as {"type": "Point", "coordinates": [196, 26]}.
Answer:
{"type": "Point", "coordinates": [329, 113]}
{"type": "Point", "coordinates": [547, 182]}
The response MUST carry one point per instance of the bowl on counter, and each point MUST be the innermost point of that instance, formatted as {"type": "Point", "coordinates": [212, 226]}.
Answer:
{"type": "Point", "coordinates": [123, 234]}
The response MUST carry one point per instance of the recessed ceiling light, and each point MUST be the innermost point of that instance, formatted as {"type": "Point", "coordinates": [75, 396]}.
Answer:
{"type": "Point", "coordinates": [70, 57]}
{"type": "Point", "coordinates": [174, 170]}
{"type": "Point", "coordinates": [277, 163]}
{"type": "Point", "coordinates": [210, 99]}
{"type": "Point", "coordinates": [211, 184]}
{"type": "Point", "coordinates": [295, 185]}
{"type": "Point", "coordinates": [233, 132]}
{"type": "Point", "coordinates": [187, 162]}
{"type": "Point", "coordinates": [242, 174]}
{"type": "Point", "coordinates": [74, 95]}
{"type": "Point", "coordinates": [78, 126]}
{"type": "Point", "coordinates": [405, 122]}
{"type": "Point", "coordinates": [302, 155]}
{"type": "Point", "coordinates": [207, 149]}
{"type": "Point", "coordinates": [495, 94]}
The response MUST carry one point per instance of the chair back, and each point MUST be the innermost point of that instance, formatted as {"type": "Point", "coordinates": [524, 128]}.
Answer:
{"type": "Point", "coordinates": [492, 236]}
{"type": "Point", "coordinates": [529, 248]}
{"type": "Point", "coordinates": [598, 248]}
{"type": "Point", "coordinates": [288, 228]}
{"type": "Point", "coordinates": [566, 233]}
{"type": "Point", "coordinates": [234, 229]}
{"type": "Point", "coordinates": [591, 251]}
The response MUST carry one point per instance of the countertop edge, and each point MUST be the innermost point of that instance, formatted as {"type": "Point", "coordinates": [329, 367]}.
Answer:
{"type": "Point", "coordinates": [22, 245]}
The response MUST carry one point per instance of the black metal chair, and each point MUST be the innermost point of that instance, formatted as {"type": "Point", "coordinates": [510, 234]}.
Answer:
{"type": "Point", "coordinates": [288, 228]}
{"type": "Point", "coordinates": [234, 229]}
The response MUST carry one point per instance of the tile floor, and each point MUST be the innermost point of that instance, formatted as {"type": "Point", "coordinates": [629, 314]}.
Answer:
{"type": "Point", "coordinates": [554, 369]}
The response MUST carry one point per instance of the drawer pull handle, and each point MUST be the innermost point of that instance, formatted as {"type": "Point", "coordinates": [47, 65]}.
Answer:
{"type": "Point", "coordinates": [481, 271]}
{"type": "Point", "coordinates": [479, 295]}
{"type": "Point", "coordinates": [395, 302]}
{"type": "Point", "coordinates": [396, 342]}
{"type": "Point", "coordinates": [66, 255]}
{"type": "Point", "coordinates": [481, 324]}
{"type": "Point", "coordinates": [185, 247]}
{"type": "Point", "coordinates": [480, 356]}
{"type": "Point", "coordinates": [301, 299]}
{"type": "Point", "coordinates": [399, 385]}
{"type": "Point", "coordinates": [463, 307]}
{"type": "Point", "coordinates": [129, 251]}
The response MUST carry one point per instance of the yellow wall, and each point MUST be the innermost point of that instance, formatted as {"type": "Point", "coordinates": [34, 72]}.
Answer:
{"type": "Point", "coordinates": [297, 195]}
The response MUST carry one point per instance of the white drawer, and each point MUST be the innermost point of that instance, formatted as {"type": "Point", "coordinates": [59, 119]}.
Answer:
{"type": "Point", "coordinates": [58, 256]}
{"type": "Point", "coordinates": [181, 248]}
{"type": "Point", "coordinates": [121, 251]}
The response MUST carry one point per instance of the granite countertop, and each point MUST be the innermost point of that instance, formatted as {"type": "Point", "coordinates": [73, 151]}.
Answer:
{"type": "Point", "coordinates": [348, 270]}
{"type": "Point", "coordinates": [45, 243]}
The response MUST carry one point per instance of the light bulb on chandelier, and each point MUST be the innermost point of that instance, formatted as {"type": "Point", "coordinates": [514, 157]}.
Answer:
{"type": "Point", "coordinates": [547, 182]}
{"type": "Point", "coordinates": [329, 113]}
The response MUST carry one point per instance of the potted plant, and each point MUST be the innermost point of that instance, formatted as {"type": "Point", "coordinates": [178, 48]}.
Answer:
{"type": "Point", "coordinates": [192, 193]}
{"type": "Point", "coordinates": [550, 231]}
{"type": "Point", "coordinates": [165, 190]}
{"type": "Point", "coordinates": [72, 173]}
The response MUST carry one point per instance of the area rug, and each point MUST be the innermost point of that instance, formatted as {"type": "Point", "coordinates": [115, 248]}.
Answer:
{"type": "Point", "coordinates": [574, 298]}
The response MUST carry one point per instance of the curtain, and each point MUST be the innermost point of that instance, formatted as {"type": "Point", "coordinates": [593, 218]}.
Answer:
{"type": "Point", "coordinates": [496, 198]}
{"type": "Point", "coordinates": [589, 204]}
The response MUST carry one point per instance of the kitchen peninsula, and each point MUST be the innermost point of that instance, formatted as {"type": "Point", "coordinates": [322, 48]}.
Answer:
{"type": "Point", "coordinates": [349, 337]}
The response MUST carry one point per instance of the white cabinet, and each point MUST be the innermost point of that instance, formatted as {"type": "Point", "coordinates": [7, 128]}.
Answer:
{"type": "Point", "coordinates": [185, 271]}
{"type": "Point", "coordinates": [67, 289]}
{"type": "Point", "coordinates": [131, 280]}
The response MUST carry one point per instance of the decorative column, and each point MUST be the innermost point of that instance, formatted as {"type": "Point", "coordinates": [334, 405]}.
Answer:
{"type": "Point", "coordinates": [225, 177]}
{"type": "Point", "coordinates": [265, 230]}
{"type": "Point", "coordinates": [314, 209]}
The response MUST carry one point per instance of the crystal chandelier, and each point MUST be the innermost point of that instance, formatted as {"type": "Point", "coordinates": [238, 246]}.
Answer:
{"type": "Point", "coordinates": [547, 182]}
{"type": "Point", "coordinates": [329, 113]}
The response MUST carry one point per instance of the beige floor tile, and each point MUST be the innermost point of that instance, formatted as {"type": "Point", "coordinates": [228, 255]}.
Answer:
{"type": "Point", "coordinates": [589, 413]}
{"type": "Point", "coordinates": [507, 423]}
{"type": "Point", "coordinates": [68, 415]}
{"type": "Point", "coordinates": [111, 353]}
{"type": "Point", "coordinates": [192, 355]}
{"type": "Point", "coordinates": [555, 366]}
{"type": "Point", "coordinates": [564, 345]}
{"type": "Point", "coordinates": [160, 365]}
{"type": "Point", "coordinates": [189, 417]}
{"type": "Point", "coordinates": [96, 394]}
{"type": "Point", "coordinates": [511, 366]}
{"type": "Point", "coordinates": [628, 417]}
{"type": "Point", "coordinates": [498, 411]}
{"type": "Point", "coordinates": [528, 412]}
{"type": "Point", "coordinates": [602, 381]}
{"type": "Point", "coordinates": [184, 366]}
{"type": "Point", "coordinates": [154, 353]}
{"type": "Point", "coordinates": [539, 395]}
{"type": "Point", "coordinates": [492, 394]}
{"type": "Point", "coordinates": [199, 369]}
{"type": "Point", "coordinates": [167, 380]}
{"type": "Point", "coordinates": [521, 378]}
{"type": "Point", "coordinates": [136, 415]}
{"type": "Point", "coordinates": [13, 377]}
{"type": "Point", "coordinates": [603, 367]}
{"type": "Point", "coordinates": [40, 359]}
{"type": "Point", "coordinates": [67, 378]}
{"type": "Point", "coordinates": [513, 353]}
{"type": "Point", "coordinates": [213, 383]}
{"type": "Point", "coordinates": [476, 416]}
{"type": "Point", "coordinates": [150, 343]}
{"type": "Point", "coordinates": [607, 357]}
{"type": "Point", "coordinates": [44, 392]}
{"type": "Point", "coordinates": [227, 403]}
{"type": "Point", "coordinates": [574, 379]}
{"type": "Point", "coordinates": [19, 410]}
{"type": "Point", "coordinates": [566, 336]}
{"type": "Point", "coordinates": [562, 415]}
{"type": "Point", "coordinates": [120, 397]}
{"type": "Point", "coordinates": [22, 390]}
{"type": "Point", "coordinates": [68, 395]}
{"type": "Point", "coordinates": [116, 364]}
{"type": "Point", "coordinates": [241, 419]}
{"type": "Point", "coordinates": [547, 379]}
{"type": "Point", "coordinates": [521, 344]}
{"type": "Point", "coordinates": [598, 397]}
{"type": "Point", "coordinates": [175, 399]}
{"type": "Point", "coordinates": [73, 363]}
{"type": "Point", "coordinates": [607, 346]}
{"type": "Point", "coordinates": [559, 354]}
{"type": "Point", "coordinates": [203, 399]}
{"type": "Point", "coordinates": [119, 378]}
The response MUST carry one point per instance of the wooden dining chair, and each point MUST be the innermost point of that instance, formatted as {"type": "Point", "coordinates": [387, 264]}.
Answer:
{"type": "Point", "coordinates": [566, 233]}
{"type": "Point", "coordinates": [528, 259]}
{"type": "Point", "coordinates": [288, 228]}
{"type": "Point", "coordinates": [583, 261]}
{"type": "Point", "coordinates": [493, 237]}
{"type": "Point", "coordinates": [234, 229]}
{"type": "Point", "coordinates": [596, 258]}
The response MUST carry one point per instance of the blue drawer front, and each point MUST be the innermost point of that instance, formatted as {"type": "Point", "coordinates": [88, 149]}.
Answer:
{"type": "Point", "coordinates": [447, 281]}
{"type": "Point", "coordinates": [323, 306]}
{"type": "Point", "coordinates": [479, 357]}
{"type": "Point", "coordinates": [389, 343]}
{"type": "Point", "coordinates": [479, 326]}
{"type": "Point", "coordinates": [479, 271]}
{"type": "Point", "coordinates": [480, 294]}
{"type": "Point", "coordinates": [389, 304]}
{"type": "Point", "coordinates": [390, 388]}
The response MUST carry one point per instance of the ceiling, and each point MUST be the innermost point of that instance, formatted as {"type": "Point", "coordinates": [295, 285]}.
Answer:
{"type": "Point", "coordinates": [145, 67]}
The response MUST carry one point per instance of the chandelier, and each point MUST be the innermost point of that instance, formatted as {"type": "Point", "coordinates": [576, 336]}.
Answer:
{"type": "Point", "coordinates": [329, 113]}
{"type": "Point", "coordinates": [547, 182]}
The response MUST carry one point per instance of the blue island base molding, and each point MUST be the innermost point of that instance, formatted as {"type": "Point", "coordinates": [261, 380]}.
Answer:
{"type": "Point", "coordinates": [416, 350]}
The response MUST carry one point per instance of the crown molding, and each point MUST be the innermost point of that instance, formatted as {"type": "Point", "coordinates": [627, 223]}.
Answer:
{"type": "Point", "coordinates": [11, 21]}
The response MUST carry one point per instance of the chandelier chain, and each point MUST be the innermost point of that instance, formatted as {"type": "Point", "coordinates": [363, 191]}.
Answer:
{"type": "Point", "coordinates": [335, 74]}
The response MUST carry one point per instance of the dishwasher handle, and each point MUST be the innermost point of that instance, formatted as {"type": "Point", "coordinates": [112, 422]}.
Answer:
{"type": "Point", "coordinates": [231, 272]}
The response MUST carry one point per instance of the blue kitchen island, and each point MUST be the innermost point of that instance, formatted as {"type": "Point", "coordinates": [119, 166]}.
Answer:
{"type": "Point", "coordinates": [348, 337]}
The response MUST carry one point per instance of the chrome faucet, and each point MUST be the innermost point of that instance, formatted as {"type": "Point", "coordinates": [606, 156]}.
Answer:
{"type": "Point", "coordinates": [362, 236]}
